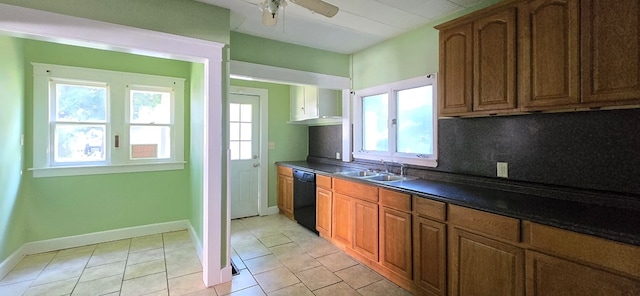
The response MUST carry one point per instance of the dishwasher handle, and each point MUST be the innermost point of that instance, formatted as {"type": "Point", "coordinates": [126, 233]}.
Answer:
{"type": "Point", "coordinates": [304, 176]}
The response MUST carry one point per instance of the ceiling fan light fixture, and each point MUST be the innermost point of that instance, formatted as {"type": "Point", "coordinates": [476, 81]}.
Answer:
{"type": "Point", "coordinates": [318, 6]}
{"type": "Point", "coordinates": [270, 11]}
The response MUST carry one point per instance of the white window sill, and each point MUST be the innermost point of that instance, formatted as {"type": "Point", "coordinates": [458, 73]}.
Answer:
{"type": "Point", "coordinates": [418, 161]}
{"type": "Point", "coordinates": [107, 169]}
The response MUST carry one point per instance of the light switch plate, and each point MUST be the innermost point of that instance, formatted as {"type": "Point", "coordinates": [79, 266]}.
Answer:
{"type": "Point", "coordinates": [272, 145]}
{"type": "Point", "coordinates": [503, 170]}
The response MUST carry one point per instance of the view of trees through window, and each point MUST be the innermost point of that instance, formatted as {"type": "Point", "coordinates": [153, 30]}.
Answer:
{"type": "Point", "coordinates": [80, 123]}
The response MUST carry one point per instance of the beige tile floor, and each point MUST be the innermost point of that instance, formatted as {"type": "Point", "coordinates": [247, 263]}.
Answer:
{"type": "Point", "coordinates": [275, 256]}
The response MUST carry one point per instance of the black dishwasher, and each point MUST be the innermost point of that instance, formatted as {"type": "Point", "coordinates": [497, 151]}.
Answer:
{"type": "Point", "coordinates": [304, 199]}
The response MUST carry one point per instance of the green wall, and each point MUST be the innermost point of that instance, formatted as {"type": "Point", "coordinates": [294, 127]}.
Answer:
{"type": "Point", "coordinates": [263, 51]}
{"type": "Point", "coordinates": [409, 55]}
{"type": "Point", "coordinates": [197, 147]}
{"type": "Point", "coordinates": [180, 17]}
{"type": "Point", "coordinates": [64, 206]}
{"type": "Point", "coordinates": [12, 210]}
{"type": "Point", "coordinates": [291, 140]}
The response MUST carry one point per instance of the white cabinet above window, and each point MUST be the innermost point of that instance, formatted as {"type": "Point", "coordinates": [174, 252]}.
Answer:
{"type": "Point", "coordinates": [313, 105]}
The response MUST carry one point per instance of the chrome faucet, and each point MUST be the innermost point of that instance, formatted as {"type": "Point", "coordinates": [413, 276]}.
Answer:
{"type": "Point", "coordinates": [386, 165]}
{"type": "Point", "coordinates": [402, 165]}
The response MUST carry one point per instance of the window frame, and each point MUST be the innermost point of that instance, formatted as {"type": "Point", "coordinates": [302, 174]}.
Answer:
{"type": "Point", "coordinates": [117, 160]}
{"type": "Point", "coordinates": [391, 89]}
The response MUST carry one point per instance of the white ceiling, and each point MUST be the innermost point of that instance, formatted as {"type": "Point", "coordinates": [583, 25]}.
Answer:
{"type": "Point", "coordinates": [358, 25]}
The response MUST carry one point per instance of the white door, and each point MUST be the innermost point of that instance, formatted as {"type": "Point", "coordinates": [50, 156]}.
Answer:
{"type": "Point", "coordinates": [244, 143]}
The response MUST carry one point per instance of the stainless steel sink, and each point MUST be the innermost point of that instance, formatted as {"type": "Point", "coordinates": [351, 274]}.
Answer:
{"type": "Point", "coordinates": [388, 178]}
{"type": "Point", "coordinates": [375, 176]}
{"type": "Point", "coordinates": [358, 174]}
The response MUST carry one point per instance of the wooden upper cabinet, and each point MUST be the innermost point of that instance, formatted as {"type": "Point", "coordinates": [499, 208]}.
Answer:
{"type": "Point", "coordinates": [456, 70]}
{"type": "Point", "coordinates": [610, 51]}
{"type": "Point", "coordinates": [549, 55]}
{"type": "Point", "coordinates": [494, 43]}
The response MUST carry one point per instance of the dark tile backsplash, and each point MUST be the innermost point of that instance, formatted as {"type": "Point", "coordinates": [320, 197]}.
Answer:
{"type": "Point", "coordinates": [325, 141]}
{"type": "Point", "coordinates": [597, 150]}
{"type": "Point", "coordinates": [592, 150]}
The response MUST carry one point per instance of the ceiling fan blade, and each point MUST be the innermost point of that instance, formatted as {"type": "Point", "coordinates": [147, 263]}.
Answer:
{"type": "Point", "coordinates": [318, 6]}
{"type": "Point", "coordinates": [268, 19]}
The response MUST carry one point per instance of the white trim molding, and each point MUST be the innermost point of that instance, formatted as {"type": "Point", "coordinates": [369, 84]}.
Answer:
{"type": "Point", "coordinates": [47, 26]}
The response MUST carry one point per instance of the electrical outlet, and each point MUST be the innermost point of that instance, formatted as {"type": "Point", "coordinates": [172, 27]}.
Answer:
{"type": "Point", "coordinates": [503, 169]}
{"type": "Point", "coordinates": [337, 155]}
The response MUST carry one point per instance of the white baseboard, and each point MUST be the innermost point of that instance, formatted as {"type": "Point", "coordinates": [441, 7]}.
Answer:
{"type": "Point", "coordinates": [95, 238]}
{"type": "Point", "coordinates": [10, 262]}
{"type": "Point", "coordinates": [196, 241]}
{"type": "Point", "coordinates": [270, 211]}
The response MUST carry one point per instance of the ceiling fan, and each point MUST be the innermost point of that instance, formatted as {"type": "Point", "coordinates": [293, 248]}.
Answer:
{"type": "Point", "coordinates": [270, 9]}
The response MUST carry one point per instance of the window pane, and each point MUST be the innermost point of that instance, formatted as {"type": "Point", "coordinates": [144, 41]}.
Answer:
{"type": "Point", "coordinates": [415, 120]}
{"type": "Point", "coordinates": [234, 131]}
{"type": "Point", "coordinates": [375, 113]}
{"type": "Point", "coordinates": [245, 113]}
{"type": "Point", "coordinates": [245, 150]}
{"type": "Point", "coordinates": [245, 131]}
{"type": "Point", "coordinates": [148, 136]}
{"type": "Point", "coordinates": [234, 112]}
{"type": "Point", "coordinates": [150, 107]}
{"type": "Point", "coordinates": [79, 143]}
{"type": "Point", "coordinates": [80, 103]}
{"type": "Point", "coordinates": [234, 146]}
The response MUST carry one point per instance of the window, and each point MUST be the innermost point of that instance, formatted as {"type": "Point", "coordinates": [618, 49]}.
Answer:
{"type": "Point", "coordinates": [240, 132]}
{"type": "Point", "coordinates": [397, 122]}
{"type": "Point", "coordinates": [89, 121]}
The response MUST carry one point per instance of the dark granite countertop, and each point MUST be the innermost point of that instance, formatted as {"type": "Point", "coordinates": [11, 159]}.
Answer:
{"type": "Point", "coordinates": [618, 224]}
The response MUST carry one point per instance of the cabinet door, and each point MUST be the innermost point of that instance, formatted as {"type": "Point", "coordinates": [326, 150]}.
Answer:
{"type": "Point", "coordinates": [549, 59]}
{"type": "Point", "coordinates": [430, 255]}
{"type": "Point", "coordinates": [297, 102]}
{"type": "Point", "coordinates": [494, 81]}
{"type": "Point", "coordinates": [551, 276]}
{"type": "Point", "coordinates": [280, 192]}
{"type": "Point", "coordinates": [610, 47]}
{"type": "Point", "coordinates": [310, 101]}
{"type": "Point", "coordinates": [341, 219]}
{"type": "Point", "coordinates": [395, 241]}
{"type": "Point", "coordinates": [288, 196]}
{"type": "Point", "coordinates": [365, 227]}
{"type": "Point", "coordinates": [456, 70]}
{"type": "Point", "coordinates": [484, 267]}
{"type": "Point", "coordinates": [323, 211]}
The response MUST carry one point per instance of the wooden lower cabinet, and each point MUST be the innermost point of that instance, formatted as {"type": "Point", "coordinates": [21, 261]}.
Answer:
{"type": "Point", "coordinates": [552, 276]}
{"type": "Point", "coordinates": [341, 219]}
{"type": "Point", "coordinates": [285, 191]}
{"type": "Point", "coordinates": [324, 199]}
{"type": "Point", "coordinates": [365, 227]}
{"type": "Point", "coordinates": [430, 251]}
{"type": "Point", "coordinates": [481, 266]}
{"type": "Point", "coordinates": [395, 241]}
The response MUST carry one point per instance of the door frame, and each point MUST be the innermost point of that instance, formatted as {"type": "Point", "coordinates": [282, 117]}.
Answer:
{"type": "Point", "coordinates": [263, 172]}
{"type": "Point", "coordinates": [36, 24]}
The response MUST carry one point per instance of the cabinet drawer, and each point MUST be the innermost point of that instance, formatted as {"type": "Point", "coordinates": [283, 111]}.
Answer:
{"type": "Point", "coordinates": [395, 200]}
{"type": "Point", "coordinates": [323, 181]}
{"type": "Point", "coordinates": [487, 223]}
{"type": "Point", "coordinates": [357, 190]}
{"type": "Point", "coordinates": [285, 171]}
{"type": "Point", "coordinates": [618, 256]}
{"type": "Point", "coordinates": [429, 208]}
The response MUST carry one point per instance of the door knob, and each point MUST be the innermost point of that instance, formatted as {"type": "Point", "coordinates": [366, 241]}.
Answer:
{"type": "Point", "coordinates": [255, 165]}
